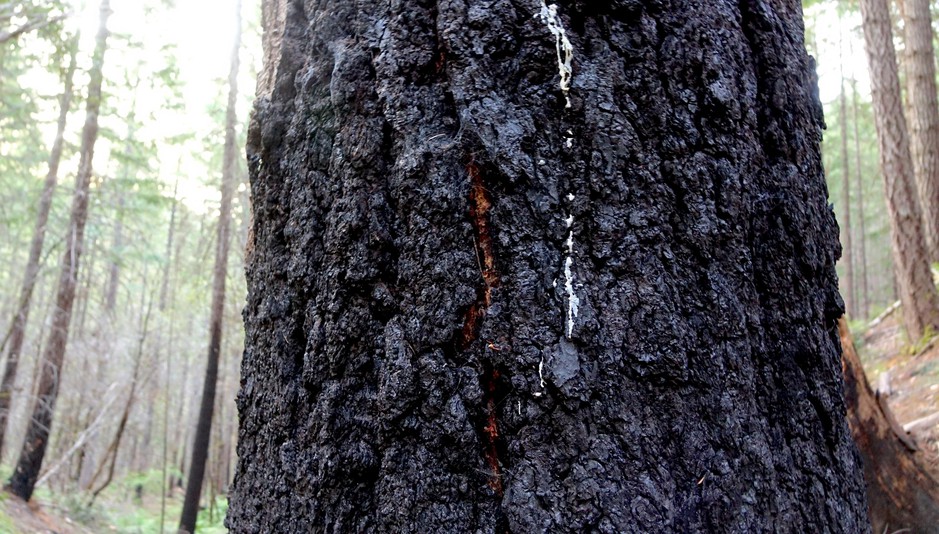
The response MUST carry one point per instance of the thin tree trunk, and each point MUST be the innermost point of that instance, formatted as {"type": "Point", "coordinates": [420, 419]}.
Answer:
{"type": "Point", "coordinates": [114, 260]}
{"type": "Point", "coordinates": [18, 331]}
{"type": "Point", "coordinates": [847, 256]}
{"type": "Point", "coordinates": [117, 244]}
{"type": "Point", "coordinates": [166, 483]}
{"type": "Point", "coordinates": [110, 455]}
{"type": "Point", "coordinates": [861, 224]}
{"type": "Point", "coordinates": [84, 293]}
{"type": "Point", "coordinates": [200, 448]}
{"type": "Point", "coordinates": [911, 256]}
{"type": "Point", "coordinates": [164, 287]}
{"type": "Point", "coordinates": [920, 62]}
{"type": "Point", "coordinates": [37, 435]}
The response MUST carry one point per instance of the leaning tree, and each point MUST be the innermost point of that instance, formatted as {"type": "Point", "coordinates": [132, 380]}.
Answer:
{"type": "Point", "coordinates": [541, 268]}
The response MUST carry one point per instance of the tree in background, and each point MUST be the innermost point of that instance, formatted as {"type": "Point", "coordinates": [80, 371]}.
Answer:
{"type": "Point", "coordinates": [918, 295]}
{"type": "Point", "coordinates": [849, 289]}
{"type": "Point", "coordinates": [920, 62]}
{"type": "Point", "coordinates": [34, 446]}
{"type": "Point", "coordinates": [200, 447]}
{"type": "Point", "coordinates": [18, 325]}
{"type": "Point", "coordinates": [861, 226]}
{"type": "Point", "coordinates": [537, 268]}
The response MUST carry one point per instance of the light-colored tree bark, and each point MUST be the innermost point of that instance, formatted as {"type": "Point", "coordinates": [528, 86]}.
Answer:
{"type": "Point", "coordinates": [920, 63]}
{"type": "Point", "coordinates": [911, 257]}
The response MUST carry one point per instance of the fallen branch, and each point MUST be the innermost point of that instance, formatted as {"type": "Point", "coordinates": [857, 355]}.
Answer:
{"type": "Point", "coordinates": [882, 394]}
{"type": "Point", "coordinates": [923, 423]}
{"type": "Point", "coordinates": [883, 315]}
{"type": "Point", "coordinates": [83, 438]}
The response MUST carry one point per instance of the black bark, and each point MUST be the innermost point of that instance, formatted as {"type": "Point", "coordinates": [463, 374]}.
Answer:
{"type": "Point", "coordinates": [473, 308]}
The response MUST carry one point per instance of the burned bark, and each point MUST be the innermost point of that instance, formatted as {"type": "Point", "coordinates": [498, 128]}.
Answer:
{"type": "Point", "coordinates": [531, 268]}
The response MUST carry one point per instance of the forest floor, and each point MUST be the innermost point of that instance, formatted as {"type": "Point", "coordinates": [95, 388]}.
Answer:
{"type": "Point", "coordinates": [17, 517]}
{"type": "Point", "coordinates": [119, 510]}
{"type": "Point", "coordinates": [909, 370]}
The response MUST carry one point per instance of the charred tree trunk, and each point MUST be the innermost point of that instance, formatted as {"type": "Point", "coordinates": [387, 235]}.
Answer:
{"type": "Point", "coordinates": [910, 254]}
{"type": "Point", "coordinates": [21, 317]}
{"type": "Point", "coordinates": [37, 433]}
{"type": "Point", "coordinates": [901, 493]}
{"type": "Point", "coordinates": [530, 268]}
{"type": "Point", "coordinates": [920, 62]}
{"type": "Point", "coordinates": [200, 445]}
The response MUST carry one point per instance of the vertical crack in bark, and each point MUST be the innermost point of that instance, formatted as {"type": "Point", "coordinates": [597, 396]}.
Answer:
{"type": "Point", "coordinates": [479, 206]}
{"type": "Point", "coordinates": [491, 430]}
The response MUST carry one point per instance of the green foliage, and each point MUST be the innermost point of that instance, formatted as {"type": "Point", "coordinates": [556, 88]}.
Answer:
{"type": "Point", "coordinates": [916, 347]}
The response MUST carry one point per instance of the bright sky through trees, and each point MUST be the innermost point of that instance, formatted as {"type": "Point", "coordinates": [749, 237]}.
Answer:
{"type": "Point", "coordinates": [194, 38]}
{"type": "Point", "coordinates": [822, 41]}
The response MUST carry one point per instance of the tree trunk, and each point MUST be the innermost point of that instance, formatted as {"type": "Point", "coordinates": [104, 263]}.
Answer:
{"type": "Point", "coordinates": [164, 286]}
{"type": "Point", "coordinates": [114, 262]}
{"type": "Point", "coordinates": [200, 446]}
{"type": "Point", "coordinates": [847, 258]}
{"type": "Point", "coordinates": [529, 268]}
{"type": "Point", "coordinates": [18, 327]}
{"type": "Point", "coordinates": [37, 434]}
{"type": "Point", "coordinates": [864, 292]}
{"type": "Point", "coordinates": [901, 493]}
{"type": "Point", "coordinates": [110, 456]}
{"type": "Point", "coordinates": [911, 257]}
{"type": "Point", "coordinates": [920, 62]}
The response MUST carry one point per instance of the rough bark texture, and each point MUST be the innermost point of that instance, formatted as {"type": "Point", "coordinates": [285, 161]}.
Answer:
{"type": "Point", "coordinates": [475, 309]}
{"type": "Point", "coordinates": [37, 433]}
{"type": "Point", "coordinates": [31, 272]}
{"type": "Point", "coordinates": [920, 65]}
{"type": "Point", "coordinates": [200, 445]}
{"type": "Point", "coordinates": [901, 493]}
{"type": "Point", "coordinates": [911, 257]}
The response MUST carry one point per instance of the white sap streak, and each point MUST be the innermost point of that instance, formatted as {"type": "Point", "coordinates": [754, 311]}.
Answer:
{"type": "Point", "coordinates": [540, 377]}
{"type": "Point", "coordinates": [573, 301]}
{"type": "Point", "coordinates": [565, 52]}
